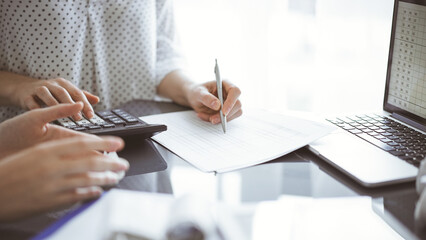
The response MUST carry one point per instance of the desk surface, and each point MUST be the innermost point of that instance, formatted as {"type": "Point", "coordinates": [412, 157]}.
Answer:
{"type": "Point", "coordinates": [299, 173]}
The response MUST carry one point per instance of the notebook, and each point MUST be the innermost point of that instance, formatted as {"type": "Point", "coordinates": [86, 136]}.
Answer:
{"type": "Point", "coordinates": [387, 148]}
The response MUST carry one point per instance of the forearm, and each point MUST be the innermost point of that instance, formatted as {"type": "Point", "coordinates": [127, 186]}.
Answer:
{"type": "Point", "coordinates": [9, 84]}
{"type": "Point", "coordinates": [176, 86]}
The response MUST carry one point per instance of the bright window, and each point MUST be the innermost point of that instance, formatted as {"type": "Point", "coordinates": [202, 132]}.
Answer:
{"type": "Point", "coordinates": [321, 56]}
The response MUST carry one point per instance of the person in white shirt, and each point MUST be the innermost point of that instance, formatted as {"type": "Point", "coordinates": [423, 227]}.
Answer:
{"type": "Point", "coordinates": [65, 51]}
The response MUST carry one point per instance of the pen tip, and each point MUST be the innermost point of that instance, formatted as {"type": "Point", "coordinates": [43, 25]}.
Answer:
{"type": "Point", "coordinates": [215, 60]}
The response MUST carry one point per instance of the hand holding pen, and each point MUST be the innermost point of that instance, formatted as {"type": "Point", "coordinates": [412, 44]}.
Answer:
{"type": "Point", "coordinates": [204, 99]}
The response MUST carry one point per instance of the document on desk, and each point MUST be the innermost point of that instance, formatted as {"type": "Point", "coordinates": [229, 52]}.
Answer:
{"type": "Point", "coordinates": [297, 217]}
{"type": "Point", "coordinates": [124, 214]}
{"type": "Point", "coordinates": [256, 137]}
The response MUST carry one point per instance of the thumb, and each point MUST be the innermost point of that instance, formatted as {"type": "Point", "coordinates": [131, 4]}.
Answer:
{"type": "Point", "coordinates": [209, 100]}
{"type": "Point", "coordinates": [49, 114]}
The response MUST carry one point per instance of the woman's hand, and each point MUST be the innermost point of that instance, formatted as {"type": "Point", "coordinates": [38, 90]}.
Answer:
{"type": "Point", "coordinates": [203, 99]}
{"type": "Point", "coordinates": [33, 127]}
{"type": "Point", "coordinates": [30, 93]}
{"type": "Point", "coordinates": [33, 94]}
{"type": "Point", "coordinates": [56, 174]}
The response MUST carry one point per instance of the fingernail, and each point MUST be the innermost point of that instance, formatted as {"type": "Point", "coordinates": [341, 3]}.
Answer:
{"type": "Point", "coordinates": [124, 165]}
{"type": "Point", "coordinates": [215, 104]}
{"type": "Point", "coordinates": [226, 111]}
{"type": "Point", "coordinates": [112, 177]}
{"type": "Point", "coordinates": [115, 141]}
{"type": "Point", "coordinates": [215, 120]}
{"type": "Point", "coordinates": [90, 114]}
{"type": "Point", "coordinates": [94, 190]}
{"type": "Point", "coordinates": [79, 103]}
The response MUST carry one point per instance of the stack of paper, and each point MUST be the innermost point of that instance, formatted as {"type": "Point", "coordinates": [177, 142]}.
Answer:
{"type": "Point", "coordinates": [256, 137]}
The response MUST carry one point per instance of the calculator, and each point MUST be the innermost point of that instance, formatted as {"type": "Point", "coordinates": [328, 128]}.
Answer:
{"type": "Point", "coordinates": [115, 122]}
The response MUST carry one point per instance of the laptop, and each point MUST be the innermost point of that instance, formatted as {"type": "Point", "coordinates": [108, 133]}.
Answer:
{"type": "Point", "coordinates": [386, 148]}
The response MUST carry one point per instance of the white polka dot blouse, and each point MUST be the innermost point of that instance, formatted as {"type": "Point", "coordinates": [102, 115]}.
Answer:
{"type": "Point", "coordinates": [118, 50]}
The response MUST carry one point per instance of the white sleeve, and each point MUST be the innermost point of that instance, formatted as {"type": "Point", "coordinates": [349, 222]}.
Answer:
{"type": "Point", "coordinates": [169, 57]}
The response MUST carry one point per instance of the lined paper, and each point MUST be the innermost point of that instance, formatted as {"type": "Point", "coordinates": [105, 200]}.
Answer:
{"type": "Point", "coordinates": [256, 137]}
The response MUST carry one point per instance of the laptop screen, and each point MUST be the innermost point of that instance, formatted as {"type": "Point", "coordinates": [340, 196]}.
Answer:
{"type": "Point", "coordinates": [406, 78]}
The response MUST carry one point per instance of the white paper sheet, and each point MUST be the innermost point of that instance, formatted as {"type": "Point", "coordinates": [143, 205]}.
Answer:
{"type": "Point", "coordinates": [293, 217]}
{"type": "Point", "coordinates": [120, 211]}
{"type": "Point", "coordinates": [256, 137]}
{"type": "Point", "coordinates": [123, 214]}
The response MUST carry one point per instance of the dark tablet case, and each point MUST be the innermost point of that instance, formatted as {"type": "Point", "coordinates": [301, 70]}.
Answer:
{"type": "Point", "coordinates": [142, 155]}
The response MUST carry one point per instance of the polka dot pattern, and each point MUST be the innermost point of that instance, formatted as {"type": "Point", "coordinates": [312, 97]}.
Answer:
{"type": "Point", "coordinates": [119, 50]}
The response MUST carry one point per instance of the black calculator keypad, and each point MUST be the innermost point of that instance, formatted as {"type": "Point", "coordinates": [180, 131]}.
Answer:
{"type": "Point", "coordinates": [115, 122]}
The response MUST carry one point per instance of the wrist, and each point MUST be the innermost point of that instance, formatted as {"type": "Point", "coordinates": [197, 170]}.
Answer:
{"type": "Point", "coordinates": [4, 147]}
{"type": "Point", "coordinates": [188, 89]}
{"type": "Point", "coordinates": [23, 89]}
{"type": "Point", "coordinates": [177, 87]}
{"type": "Point", "coordinates": [14, 93]}
{"type": "Point", "coordinates": [12, 88]}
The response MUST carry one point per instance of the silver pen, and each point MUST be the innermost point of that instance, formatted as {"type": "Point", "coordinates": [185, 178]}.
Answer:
{"type": "Point", "coordinates": [219, 94]}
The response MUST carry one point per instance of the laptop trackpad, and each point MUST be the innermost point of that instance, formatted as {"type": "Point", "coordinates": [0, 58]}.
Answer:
{"type": "Point", "coordinates": [363, 161]}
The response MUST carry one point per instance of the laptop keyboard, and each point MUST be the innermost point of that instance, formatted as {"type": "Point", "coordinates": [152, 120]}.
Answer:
{"type": "Point", "coordinates": [387, 134]}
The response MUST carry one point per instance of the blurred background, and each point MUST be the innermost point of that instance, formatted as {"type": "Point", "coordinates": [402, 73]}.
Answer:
{"type": "Point", "coordinates": [322, 56]}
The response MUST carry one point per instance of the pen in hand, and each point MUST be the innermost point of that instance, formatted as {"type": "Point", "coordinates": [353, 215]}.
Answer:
{"type": "Point", "coordinates": [219, 94]}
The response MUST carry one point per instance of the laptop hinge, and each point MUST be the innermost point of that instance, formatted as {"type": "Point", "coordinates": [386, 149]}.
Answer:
{"type": "Point", "coordinates": [409, 121]}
